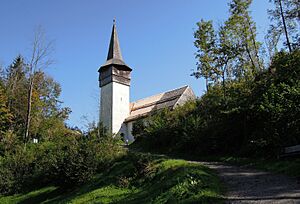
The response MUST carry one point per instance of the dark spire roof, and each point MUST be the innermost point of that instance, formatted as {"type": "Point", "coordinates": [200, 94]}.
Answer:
{"type": "Point", "coordinates": [114, 45]}
{"type": "Point", "coordinates": [114, 56]}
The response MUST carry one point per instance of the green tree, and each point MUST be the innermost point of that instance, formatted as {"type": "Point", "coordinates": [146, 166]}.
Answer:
{"type": "Point", "coordinates": [242, 34]}
{"type": "Point", "coordinates": [231, 54]}
{"type": "Point", "coordinates": [47, 116]}
{"type": "Point", "coordinates": [205, 42]}
{"type": "Point", "coordinates": [286, 21]}
{"type": "Point", "coordinates": [225, 52]}
{"type": "Point", "coordinates": [16, 85]}
{"type": "Point", "coordinates": [39, 60]}
{"type": "Point", "coordinates": [215, 53]}
{"type": "Point", "coordinates": [5, 115]}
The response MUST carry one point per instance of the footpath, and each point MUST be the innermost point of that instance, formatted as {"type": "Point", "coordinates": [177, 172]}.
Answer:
{"type": "Point", "coordinates": [246, 185]}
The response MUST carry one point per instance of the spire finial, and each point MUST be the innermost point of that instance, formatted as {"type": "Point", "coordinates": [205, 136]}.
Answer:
{"type": "Point", "coordinates": [114, 21]}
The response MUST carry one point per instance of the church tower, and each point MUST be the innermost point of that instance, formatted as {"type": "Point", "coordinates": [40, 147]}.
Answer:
{"type": "Point", "coordinates": [114, 81]}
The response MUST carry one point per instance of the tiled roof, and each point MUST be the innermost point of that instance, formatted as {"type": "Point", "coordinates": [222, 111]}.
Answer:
{"type": "Point", "coordinates": [146, 106]}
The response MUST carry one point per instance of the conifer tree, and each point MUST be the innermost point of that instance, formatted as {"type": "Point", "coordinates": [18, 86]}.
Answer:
{"type": "Point", "coordinates": [16, 88]}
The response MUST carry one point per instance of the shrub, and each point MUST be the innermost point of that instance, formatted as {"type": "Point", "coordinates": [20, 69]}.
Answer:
{"type": "Point", "coordinates": [16, 170]}
{"type": "Point", "coordinates": [66, 161]}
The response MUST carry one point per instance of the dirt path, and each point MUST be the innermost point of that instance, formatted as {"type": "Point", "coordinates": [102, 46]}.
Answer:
{"type": "Point", "coordinates": [246, 185]}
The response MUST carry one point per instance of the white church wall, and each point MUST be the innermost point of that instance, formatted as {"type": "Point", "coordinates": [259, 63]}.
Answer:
{"type": "Point", "coordinates": [120, 106]}
{"type": "Point", "coordinates": [129, 135]}
{"type": "Point", "coordinates": [187, 95]}
{"type": "Point", "coordinates": [105, 105]}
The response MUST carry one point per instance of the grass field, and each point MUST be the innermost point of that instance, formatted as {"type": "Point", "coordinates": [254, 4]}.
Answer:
{"type": "Point", "coordinates": [136, 178]}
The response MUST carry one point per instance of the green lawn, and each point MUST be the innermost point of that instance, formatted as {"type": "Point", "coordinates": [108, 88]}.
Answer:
{"type": "Point", "coordinates": [137, 178]}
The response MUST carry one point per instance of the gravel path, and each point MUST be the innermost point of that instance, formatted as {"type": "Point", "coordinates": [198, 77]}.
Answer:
{"type": "Point", "coordinates": [246, 185]}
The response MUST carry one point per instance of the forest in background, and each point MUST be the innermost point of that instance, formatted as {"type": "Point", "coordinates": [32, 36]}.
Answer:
{"type": "Point", "coordinates": [252, 102]}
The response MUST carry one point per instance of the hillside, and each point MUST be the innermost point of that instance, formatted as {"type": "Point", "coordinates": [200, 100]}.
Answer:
{"type": "Point", "coordinates": [136, 178]}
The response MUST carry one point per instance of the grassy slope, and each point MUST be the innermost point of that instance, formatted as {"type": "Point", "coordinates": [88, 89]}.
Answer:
{"type": "Point", "coordinates": [137, 178]}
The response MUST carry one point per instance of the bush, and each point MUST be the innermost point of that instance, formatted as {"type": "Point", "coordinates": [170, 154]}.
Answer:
{"type": "Point", "coordinates": [66, 161]}
{"type": "Point", "coordinates": [16, 170]}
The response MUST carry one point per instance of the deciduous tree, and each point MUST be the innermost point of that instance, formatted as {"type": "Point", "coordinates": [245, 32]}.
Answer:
{"type": "Point", "coordinates": [242, 34]}
{"type": "Point", "coordinates": [205, 42]}
{"type": "Point", "coordinates": [5, 115]}
{"type": "Point", "coordinates": [39, 60]}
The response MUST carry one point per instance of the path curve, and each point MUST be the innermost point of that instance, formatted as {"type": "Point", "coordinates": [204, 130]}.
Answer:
{"type": "Point", "coordinates": [245, 185]}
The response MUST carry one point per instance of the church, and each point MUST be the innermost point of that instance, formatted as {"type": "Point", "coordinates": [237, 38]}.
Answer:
{"type": "Point", "coordinates": [116, 112]}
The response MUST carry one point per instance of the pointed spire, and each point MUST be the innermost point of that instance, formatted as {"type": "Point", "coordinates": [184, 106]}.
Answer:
{"type": "Point", "coordinates": [114, 45]}
{"type": "Point", "coordinates": [114, 56]}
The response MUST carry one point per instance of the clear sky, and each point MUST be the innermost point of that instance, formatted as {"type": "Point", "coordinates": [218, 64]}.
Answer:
{"type": "Point", "coordinates": [156, 38]}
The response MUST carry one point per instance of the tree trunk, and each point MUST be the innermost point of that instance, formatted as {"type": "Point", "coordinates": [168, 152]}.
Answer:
{"type": "Point", "coordinates": [223, 83]}
{"type": "Point", "coordinates": [39, 60]}
{"type": "Point", "coordinates": [28, 116]}
{"type": "Point", "coordinates": [254, 44]}
{"type": "Point", "coordinates": [251, 59]}
{"type": "Point", "coordinates": [284, 27]}
{"type": "Point", "coordinates": [206, 83]}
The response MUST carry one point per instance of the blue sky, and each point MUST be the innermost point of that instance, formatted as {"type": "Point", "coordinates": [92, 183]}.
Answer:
{"type": "Point", "coordinates": [156, 40]}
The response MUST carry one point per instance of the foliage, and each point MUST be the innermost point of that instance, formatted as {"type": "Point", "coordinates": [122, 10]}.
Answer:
{"type": "Point", "coordinates": [256, 118]}
{"type": "Point", "coordinates": [5, 115]}
{"type": "Point", "coordinates": [138, 178]}
{"type": "Point", "coordinates": [16, 170]}
{"type": "Point", "coordinates": [47, 115]}
{"type": "Point", "coordinates": [65, 160]}
{"type": "Point", "coordinates": [15, 84]}
{"type": "Point", "coordinates": [138, 127]}
{"type": "Point", "coordinates": [285, 22]}
{"type": "Point", "coordinates": [205, 41]}
{"type": "Point", "coordinates": [242, 35]}
{"type": "Point", "coordinates": [63, 156]}
{"type": "Point", "coordinates": [230, 53]}
{"type": "Point", "coordinates": [278, 104]}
